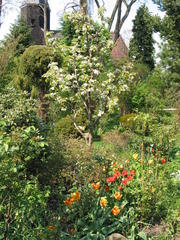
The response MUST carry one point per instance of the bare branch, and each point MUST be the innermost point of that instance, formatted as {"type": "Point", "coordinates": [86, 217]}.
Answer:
{"type": "Point", "coordinates": [97, 3]}
{"type": "Point", "coordinates": [125, 3]}
{"type": "Point", "coordinates": [72, 5]}
{"type": "Point", "coordinates": [126, 14]}
{"type": "Point", "coordinates": [76, 126]}
{"type": "Point", "coordinates": [113, 14]}
{"type": "Point", "coordinates": [118, 22]}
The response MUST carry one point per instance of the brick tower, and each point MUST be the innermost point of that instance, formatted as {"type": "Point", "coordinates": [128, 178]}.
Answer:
{"type": "Point", "coordinates": [33, 14]}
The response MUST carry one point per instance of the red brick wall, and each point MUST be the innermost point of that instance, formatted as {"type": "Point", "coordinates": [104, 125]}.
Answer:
{"type": "Point", "coordinates": [120, 49]}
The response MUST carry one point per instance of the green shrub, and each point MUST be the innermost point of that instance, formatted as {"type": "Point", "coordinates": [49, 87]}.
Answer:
{"type": "Point", "coordinates": [31, 67]}
{"type": "Point", "coordinates": [128, 120]}
{"type": "Point", "coordinates": [18, 109]}
{"type": "Point", "coordinates": [23, 203]}
{"type": "Point", "coordinates": [114, 137]}
{"type": "Point", "coordinates": [64, 126]}
{"type": "Point", "coordinates": [33, 63]}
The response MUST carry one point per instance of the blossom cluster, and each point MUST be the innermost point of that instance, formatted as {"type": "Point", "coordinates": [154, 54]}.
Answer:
{"type": "Point", "coordinates": [114, 185]}
{"type": "Point", "coordinates": [75, 197]}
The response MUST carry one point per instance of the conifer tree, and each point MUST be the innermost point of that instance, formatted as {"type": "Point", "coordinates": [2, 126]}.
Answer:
{"type": "Point", "coordinates": [141, 44]}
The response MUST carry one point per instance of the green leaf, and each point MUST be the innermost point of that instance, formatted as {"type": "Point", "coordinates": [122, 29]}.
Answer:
{"type": "Point", "coordinates": [142, 235]}
{"type": "Point", "coordinates": [6, 147]}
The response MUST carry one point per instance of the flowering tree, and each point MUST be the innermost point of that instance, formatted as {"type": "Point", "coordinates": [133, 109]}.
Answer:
{"type": "Point", "coordinates": [85, 82]}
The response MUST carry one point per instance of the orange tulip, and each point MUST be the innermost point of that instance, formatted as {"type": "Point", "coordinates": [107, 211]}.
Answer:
{"type": "Point", "coordinates": [117, 196]}
{"type": "Point", "coordinates": [51, 228]}
{"type": "Point", "coordinates": [76, 196]}
{"type": "Point", "coordinates": [116, 210]}
{"type": "Point", "coordinates": [103, 202]}
{"type": "Point", "coordinates": [96, 186]}
{"type": "Point", "coordinates": [68, 201]}
{"type": "Point", "coordinates": [135, 156]}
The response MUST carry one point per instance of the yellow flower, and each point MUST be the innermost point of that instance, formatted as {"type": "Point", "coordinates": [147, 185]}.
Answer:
{"type": "Point", "coordinates": [141, 161]}
{"type": "Point", "coordinates": [68, 201]}
{"type": "Point", "coordinates": [51, 228]}
{"type": "Point", "coordinates": [116, 210]}
{"type": "Point", "coordinates": [76, 196]}
{"type": "Point", "coordinates": [151, 162]}
{"type": "Point", "coordinates": [117, 196]}
{"type": "Point", "coordinates": [115, 169]}
{"type": "Point", "coordinates": [96, 186]}
{"type": "Point", "coordinates": [150, 172]}
{"type": "Point", "coordinates": [103, 202]}
{"type": "Point", "coordinates": [121, 166]}
{"type": "Point", "coordinates": [135, 156]}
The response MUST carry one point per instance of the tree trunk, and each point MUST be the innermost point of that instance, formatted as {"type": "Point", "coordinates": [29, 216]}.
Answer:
{"type": "Point", "coordinates": [118, 22]}
{"type": "Point", "coordinates": [83, 7]}
{"type": "Point", "coordinates": [0, 11]}
{"type": "Point", "coordinates": [45, 19]}
{"type": "Point", "coordinates": [89, 139]}
{"type": "Point", "coordinates": [120, 18]}
{"type": "Point", "coordinates": [7, 220]}
{"type": "Point", "coordinates": [43, 106]}
{"type": "Point", "coordinates": [113, 14]}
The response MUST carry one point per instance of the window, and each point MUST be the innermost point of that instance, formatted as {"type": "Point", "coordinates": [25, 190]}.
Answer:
{"type": "Point", "coordinates": [33, 22]}
{"type": "Point", "coordinates": [41, 21]}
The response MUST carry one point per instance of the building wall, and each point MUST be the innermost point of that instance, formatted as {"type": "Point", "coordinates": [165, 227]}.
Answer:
{"type": "Point", "coordinates": [34, 17]}
{"type": "Point", "coordinates": [120, 49]}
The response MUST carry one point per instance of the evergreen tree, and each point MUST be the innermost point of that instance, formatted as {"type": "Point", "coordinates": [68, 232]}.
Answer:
{"type": "Point", "coordinates": [21, 33]}
{"type": "Point", "coordinates": [13, 45]}
{"type": "Point", "coordinates": [141, 44]}
{"type": "Point", "coordinates": [170, 51]}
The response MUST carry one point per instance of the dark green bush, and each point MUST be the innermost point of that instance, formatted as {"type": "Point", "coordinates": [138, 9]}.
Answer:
{"type": "Point", "coordinates": [32, 65]}
{"type": "Point", "coordinates": [18, 109]}
{"type": "Point", "coordinates": [128, 121]}
{"type": "Point", "coordinates": [65, 127]}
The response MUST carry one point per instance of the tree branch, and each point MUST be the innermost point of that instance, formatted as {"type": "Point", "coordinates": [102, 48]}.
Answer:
{"type": "Point", "coordinates": [71, 5]}
{"type": "Point", "coordinates": [113, 14]}
{"type": "Point", "coordinates": [76, 126]}
{"type": "Point", "coordinates": [126, 14]}
{"type": "Point", "coordinates": [97, 3]}
{"type": "Point", "coordinates": [125, 3]}
{"type": "Point", "coordinates": [118, 22]}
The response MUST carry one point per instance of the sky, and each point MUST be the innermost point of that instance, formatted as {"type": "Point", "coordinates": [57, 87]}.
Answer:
{"type": "Point", "coordinates": [57, 9]}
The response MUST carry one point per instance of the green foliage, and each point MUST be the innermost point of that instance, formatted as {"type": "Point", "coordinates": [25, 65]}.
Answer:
{"type": "Point", "coordinates": [170, 53]}
{"type": "Point", "coordinates": [108, 122]}
{"type": "Point", "coordinates": [65, 126]}
{"type": "Point", "coordinates": [23, 204]}
{"type": "Point", "coordinates": [169, 28]}
{"type": "Point", "coordinates": [21, 33]}
{"type": "Point", "coordinates": [11, 47]}
{"type": "Point", "coordinates": [32, 64]}
{"type": "Point", "coordinates": [141, 44]}
{"type": "Point", "coordinates": [53, 185]}
{"type": "Point", "coordinates": [84, 83]}
{"type": "Point", "coordinates": [18, 109]}
{"type": "Point", "coordinates": [128, 120]}
{"type": "Point", "coordinates": [68, 30]}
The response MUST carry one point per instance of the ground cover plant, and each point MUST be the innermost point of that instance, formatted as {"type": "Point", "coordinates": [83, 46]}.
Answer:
{"type": "Point", "coordinates": [96, 150]}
